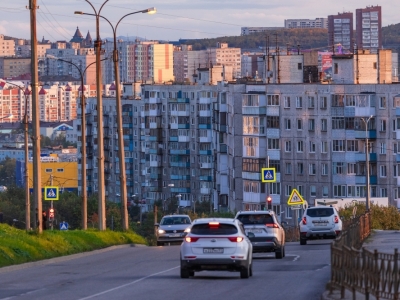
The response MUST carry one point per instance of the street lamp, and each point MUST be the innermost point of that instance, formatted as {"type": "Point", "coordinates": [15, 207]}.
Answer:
{"type": "Point", "coordinates": [100, 133]}
{"type": "Point", "coordinates": [26, 150]}
{"type": "Point", "coordinates": [83, 135]}
{"type": "Point", "coordinates": [367, 202]}
{"type": "Point", "coordinates": [121, 152]}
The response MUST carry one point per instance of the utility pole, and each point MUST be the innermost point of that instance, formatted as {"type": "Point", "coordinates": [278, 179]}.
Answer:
{"type": "Point", "coordinates": [37, 184]}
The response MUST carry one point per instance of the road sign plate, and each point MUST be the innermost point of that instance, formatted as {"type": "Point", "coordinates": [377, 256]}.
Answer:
{"type": "Point", "coordinates": [294, 207]}
{"type": "Point", "coordinates": [51, 193]}
{"type": "Point", "coordinates": [295, 198]}
{"type": "Point", "coordinates": [268, 175]}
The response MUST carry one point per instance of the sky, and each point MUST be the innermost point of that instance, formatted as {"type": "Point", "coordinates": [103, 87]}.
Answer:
{"type": "Point", "coordinates": [175, 19]}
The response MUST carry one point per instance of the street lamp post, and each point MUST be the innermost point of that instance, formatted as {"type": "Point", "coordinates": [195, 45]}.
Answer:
{"type": "Point", "coordinates": [367, 202]}
{"type": "Point", "coordinates": [121, 153]}
{"type": "Point", "coordinates": [83, 136]}
{"type": "Point", "coordinates": [100, 130]}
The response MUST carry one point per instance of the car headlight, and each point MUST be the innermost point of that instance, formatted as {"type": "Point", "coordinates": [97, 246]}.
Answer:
{"type": "Point", "coordinates": [187, 230]}
{"type": "Point", "coordinates": [161, 231]}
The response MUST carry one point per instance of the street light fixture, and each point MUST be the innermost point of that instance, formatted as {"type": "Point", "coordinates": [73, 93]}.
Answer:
{"type": "Point", "coordinates": [83, 134]}
{"type": "Point", "coordinates": [121, 152]}
{"type": "Point", "coordinates": [100, 133]}
{"type": "Point", "coordinates": [367, 202]}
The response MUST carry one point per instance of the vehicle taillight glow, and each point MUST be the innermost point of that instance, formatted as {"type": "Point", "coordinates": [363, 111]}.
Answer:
{"type": "Point", "coordinates": [274, 225]}
{"type": "Point", "coordinates": [213, 223]}
{"type": "Point", "coordinates": [336, 219]}
{"type": "Point", "coordinates": [190, 239]}
{"type": "Point", "coordinates": [236, 239]}
{"type": "Point", "coordinates": [304, 221]}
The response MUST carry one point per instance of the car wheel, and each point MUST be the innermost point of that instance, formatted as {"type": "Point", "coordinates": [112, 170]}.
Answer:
{"type": "Point", "coordinates": [284, 251]}
{"type": "Point", "coordinates": [191, 273]}
{"type": "Point", "coordinates": [303, 241]}
{"type": "Point", "coordinates": [160, 244]}
{"type": "Point", "coordinates": [185, 273]}
{"type": "Point", "coordinates": [245, 272]}
{"type": "Point", "coordinates": [279, 254]}
{"type": "Point", "coordinates": [251, 269]}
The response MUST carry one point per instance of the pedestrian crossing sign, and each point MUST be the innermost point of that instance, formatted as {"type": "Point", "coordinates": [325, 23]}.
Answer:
{"type": "Point", "coordinates": [295, 198]}
{"type": "Point", "coordinates": [51, 193]}
{"type": "Point", "coordinates": [268, 175]}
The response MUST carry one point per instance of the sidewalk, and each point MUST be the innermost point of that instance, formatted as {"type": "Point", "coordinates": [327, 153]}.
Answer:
{"type": "Point", "coordinates": [384, 241]}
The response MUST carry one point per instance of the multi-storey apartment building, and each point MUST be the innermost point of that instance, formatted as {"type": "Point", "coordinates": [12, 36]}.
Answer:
{"type": "Point", "coordinates": [307, 23]}
{"type": "Point", "coordinates": [14, 66]}
{"type": "Point", "coordinates": [251, 30]}
{"type": "Point", "coordinates": [369, 28]}
{"type": "Point", "coordinates": [7, 46]}
{"type": "Point", "coordinates": [340, 31]}
{"type": "Point", "coordinates": [140, 61]}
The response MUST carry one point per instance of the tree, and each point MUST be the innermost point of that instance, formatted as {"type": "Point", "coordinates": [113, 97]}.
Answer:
{"type": "Point", "coordinates": [7, 171]}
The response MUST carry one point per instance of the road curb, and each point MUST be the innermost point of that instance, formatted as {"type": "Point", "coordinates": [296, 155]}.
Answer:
{"type": "Point", "coordinates": [64, 258]}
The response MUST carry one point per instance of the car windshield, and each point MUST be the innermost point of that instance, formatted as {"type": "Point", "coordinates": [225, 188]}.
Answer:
{"type": "Point", "coordinates": [211, 229]}
{"type": "Point", "coordinates": [320, 212]}
{"type": "Point", "coordinates": [256, 219]}
{"type": "Point", "coordinates": [175, 221]}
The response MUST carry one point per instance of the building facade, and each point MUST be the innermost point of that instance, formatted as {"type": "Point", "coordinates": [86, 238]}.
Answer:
{"type": "Point", "coordinates": [340, 31]}
{"type": "Point", "coordinates": [369, 28]}
{"type": "Point", "coordinates": [307, 23]}
{"type": "Point", "coordinates": [7, 46]}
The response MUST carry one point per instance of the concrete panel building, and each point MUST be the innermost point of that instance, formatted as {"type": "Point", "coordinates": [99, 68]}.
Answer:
{"type": "Point", "coordinates": [340, 31]}
{"type": "Point", "coordinates": [7, 46]}
{"type": "Point", "coordinates": [369, 28]}
{"type": "Point", "coordinates": [307, 23]}
{"type": "Point", "coordinates": [14, 66]}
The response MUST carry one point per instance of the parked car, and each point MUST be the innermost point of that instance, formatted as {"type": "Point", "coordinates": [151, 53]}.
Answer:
{"type": "Point", "coordinates": [216, 244]}
{"type": "Point", "coordinates": [321, 222]}
{"type": "Point", "coordinates": [172, 228]}
{"type": "Point", "coordinates": [268, 234]}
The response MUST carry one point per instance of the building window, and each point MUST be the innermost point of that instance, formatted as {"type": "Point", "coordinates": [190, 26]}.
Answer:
{"type": "Point", "coordinates": [299, 124]}
{"type": "Point", "coordinates": [312, 147]}
{"type": "Point", "coordinates": [288, 168]}
{"type": "Point", "coordinates": [339, 191]}
{"type": "Point", "coordinates": [312, 169]}
{"type": "Point", "coordinates": [49, 170]}
{"type": "Point", "coordinates": [335, 68]}
{"type": "Point", "coordinates": [288, 146]}
{"type": "Point", "coordinates": [323, 102]}
{"type": "Point", "coordinates": [286, 102]}
{"type": "Point", "coordinates": [383, 126]}
{"type": "Point", "coordinates": [300, 146]}
{"type": "Point", "coordinates": [300, 168]}
{"type": "Point", "coordinates": [382, 102]}
{"type": "Point", "coordinates": [299, 66]}
{"type": "Point", "coordinates": [338, 145]}
{"type": "Point", "coordinates": [338, 167]}
{"type": "Point", "coordinates": [273, 144]}
{"type": "Point", "coordinates": [324, 147]}
{"type": "Point", "coordinates": [383, 171]}
{"type": "Point", "coordinates": [288, 190]}
{"type": "Point", "coordinates": [324, 168]}
{"type": "Point", "coordinates": [60, 170]}
{"type": "Point", "coordinates": [299, 102]}
{"type": "Point", "coordinates": [311, 125]}
{"type": "Point", "coordinates": [313, 191]}
{"type": "Point", "coordinates": [351, 168]}
{"type": "Point", "coordinates": [288, 125]}
{"type": "Point", "coordinates": [324, 125]}
{"type": "Point", "coordinates": [311, 102]}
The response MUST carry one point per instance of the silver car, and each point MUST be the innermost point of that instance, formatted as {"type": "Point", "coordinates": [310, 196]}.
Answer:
{"type": "Point", "coordinates": [216, 244]}
{"type": "Point", "coordinates": [264, 231]}
{"type": "Point", "coordinates": [172, 228]}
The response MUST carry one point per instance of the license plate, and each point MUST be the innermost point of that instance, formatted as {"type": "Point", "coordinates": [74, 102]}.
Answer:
{"type": "Point", "coordinates": [320, 224]}
{"type": "Point", "coordinates": [255, 230]}
{"type": "Point", "coordinates": [213, 250]}
{"type": "Point", "coordinates": [175, 235]}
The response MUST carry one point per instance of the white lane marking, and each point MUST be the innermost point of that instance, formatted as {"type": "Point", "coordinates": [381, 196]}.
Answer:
{"type": "Point", "coordinates": [296, 257]}
{"type": "Point", "coordinates": [127, 284]}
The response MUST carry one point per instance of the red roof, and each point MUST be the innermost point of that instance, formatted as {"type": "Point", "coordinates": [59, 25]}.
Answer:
{"type": "Point", "coordinates": [112, 87]}
{"type": "Point", "coordinates": [42, 92]}
{"type": "Point", "coordinates": [27, 92]}
{"type": "Point", "coordinates": [68, 88]}
{"type": "Point", "coordinates": [80, 88]}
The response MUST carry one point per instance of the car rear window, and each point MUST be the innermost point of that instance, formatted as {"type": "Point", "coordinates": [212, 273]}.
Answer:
{"type": "Point", "coordinates": [175, 221]}
{"type": "Point", "coordinates": [207, 229]}
{"type": "Point", "coordinates": [256, 219]}
{"type": "Point", "coordinates": [320, 212]}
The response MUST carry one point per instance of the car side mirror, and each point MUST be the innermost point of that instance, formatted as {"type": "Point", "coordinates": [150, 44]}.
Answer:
{"type": "Point", "coordinates": [250, 235]}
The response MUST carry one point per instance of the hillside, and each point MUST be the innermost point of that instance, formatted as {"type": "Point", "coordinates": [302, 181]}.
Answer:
{"type": "Point", "coordinates": [307, 38]}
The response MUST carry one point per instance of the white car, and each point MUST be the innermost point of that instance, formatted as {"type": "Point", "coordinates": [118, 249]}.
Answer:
{"type": "Point", "coordinates": [321, 222]}
{"type": "Point", "coordinates": [216, 244]}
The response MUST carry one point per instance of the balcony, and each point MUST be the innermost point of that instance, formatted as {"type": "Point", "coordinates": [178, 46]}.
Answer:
{"type": "Point", "coordinates": [204, 126]}
{"type": "Point", "coordinates": [180, 177]}
{"type": "Point", "coordinates": [205, 191]}
{"type": "Point", "coordinates": [250, 110]}
{"type": "Point", "coordinates": [206, 178]}
{"type": "Point", "coordinates": [205, 113]}
{"type": "Point", "coordinates": [206, 165]}
{"type": "Point", "coordinates": [223, 148]}
{"type": "Point", "coordinates": [362, 157]}
{"type": "Point", "coordinates": [179, 152]}
{"type": "Point", "coordinates": [205, 152]}
{"type": "Point", "coordinates": [180, 164]}
{"type": "Point", "coordinates": [222, 128]}
{"type": "Point", "coordinates": [360, 134]}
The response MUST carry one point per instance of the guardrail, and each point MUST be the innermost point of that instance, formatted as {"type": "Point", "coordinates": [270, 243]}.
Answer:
{"type": "Point", "coordinates": [360, 270]}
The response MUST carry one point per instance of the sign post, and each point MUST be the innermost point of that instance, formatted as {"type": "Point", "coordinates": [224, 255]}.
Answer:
{"type": "Point", "coordinates": [295, 201]}
{"type": "Point", "coordinates": [51, 193]}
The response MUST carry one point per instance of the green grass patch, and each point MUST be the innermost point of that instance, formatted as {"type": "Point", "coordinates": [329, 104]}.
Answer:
{"type": "Point", "coordinates": [18, 246]}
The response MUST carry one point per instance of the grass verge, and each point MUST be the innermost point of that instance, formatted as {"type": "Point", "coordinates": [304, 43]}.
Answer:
{"type": "Point", "coordinates": [18, 246]}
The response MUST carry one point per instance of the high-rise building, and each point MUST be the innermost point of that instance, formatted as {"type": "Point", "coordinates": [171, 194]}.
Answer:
{"type": "Point", "coordinates": [369, 28]}
{"type": "Point", "coordinates": [340, 31]}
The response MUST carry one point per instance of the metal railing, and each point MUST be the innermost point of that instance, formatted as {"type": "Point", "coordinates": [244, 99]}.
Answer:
{"type": "Point", "coordinates": [360, 270]}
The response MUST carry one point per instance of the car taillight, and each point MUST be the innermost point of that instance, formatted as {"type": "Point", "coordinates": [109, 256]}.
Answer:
{"type": "Point", "coordinates": [190, 239]}
{"type": "Point", "coordinates": [336, 219]}
{"type": "Point", "coordinates": [236, 239]}
{"type": "Point", "coordinates": [304, 221]}
{"type": "Point", "coordinates": [274, 225]}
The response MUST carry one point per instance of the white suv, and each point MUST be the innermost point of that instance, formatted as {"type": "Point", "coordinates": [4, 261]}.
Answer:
{"type": "Point", "coordinates": [321, 222]}
{"type": "Point", "coordinates": [216, 244]}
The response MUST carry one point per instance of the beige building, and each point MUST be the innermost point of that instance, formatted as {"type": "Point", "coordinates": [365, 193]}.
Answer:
{"type": "Point", "coordinates": [226, 56]}
{"type": "Point", "coordinates": [7, 46]}
{"type": "Point", "coordinates": [187, 61]}
{"type": "Point", "coordinates": [14, 66]}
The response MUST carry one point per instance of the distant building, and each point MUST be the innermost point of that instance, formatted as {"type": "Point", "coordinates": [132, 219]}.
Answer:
{"type": "Point", "coordinates": [251, 30]}
{"type": "Point", "coordinates": [14, 66]}
{"type": "Point", "coordinates": [7, 46]}
{"type": "Point", "coordinates": [307, 23]}
{"type": "Point", "coordinates": [340, 31]}
{"type": "Point", "coordinates": [369, 28]}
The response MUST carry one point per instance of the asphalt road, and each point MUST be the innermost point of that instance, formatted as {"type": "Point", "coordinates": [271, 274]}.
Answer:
{"type": "Point", "coordinates": [153, 273]}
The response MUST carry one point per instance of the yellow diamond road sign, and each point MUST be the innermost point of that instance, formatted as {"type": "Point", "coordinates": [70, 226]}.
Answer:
{"type": "Point", "coordinates": [295, 198]}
